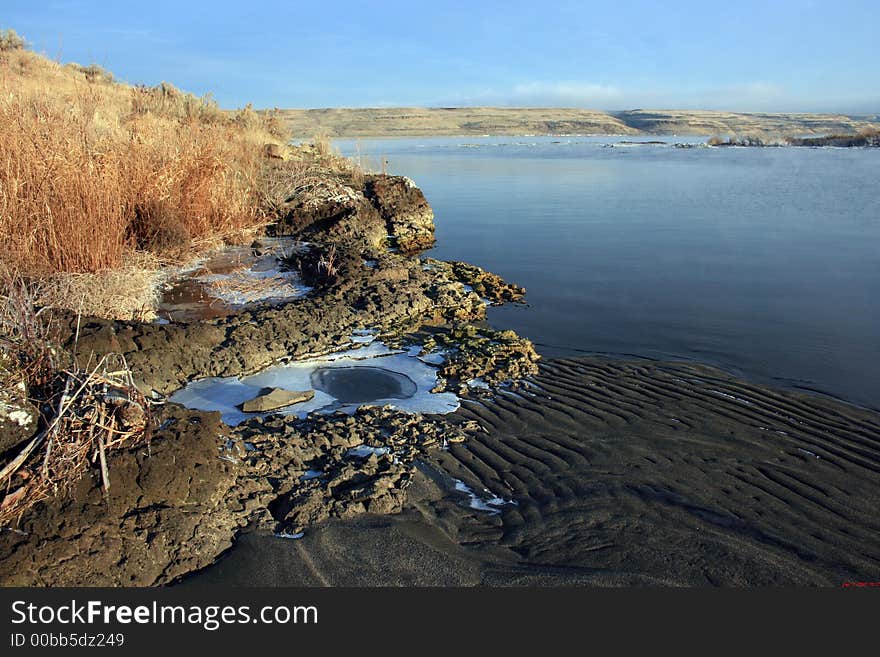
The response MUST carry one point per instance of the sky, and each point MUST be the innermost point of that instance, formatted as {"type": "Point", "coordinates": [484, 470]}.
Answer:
{"type": "Point", "coordinates": [741, 56]}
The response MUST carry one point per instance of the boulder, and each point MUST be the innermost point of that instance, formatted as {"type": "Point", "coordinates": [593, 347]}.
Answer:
{"type": "Point", "coordinates": [407, 214]}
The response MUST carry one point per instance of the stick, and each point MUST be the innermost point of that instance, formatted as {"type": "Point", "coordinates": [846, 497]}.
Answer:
{"type": "Point", "coordinates": [105, 475]}
{"type": "Point", "coordinates": [78, 320]}
{"type": "Point", "coordinates": [52, 433]}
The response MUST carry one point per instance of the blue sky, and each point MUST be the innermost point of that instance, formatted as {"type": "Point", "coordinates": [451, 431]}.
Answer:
{"type": "Point", "coordinates": [744, 55]}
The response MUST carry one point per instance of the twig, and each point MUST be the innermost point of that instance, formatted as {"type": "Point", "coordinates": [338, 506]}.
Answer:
{"type": "Point", "coordinates": [52, 433]}
{"type": "Point", "coordinates": [78, 320]}
{"type": "Point", "coordinates": [105, 474]}
{"type": "Point", "coordinates": [15, 463]}
{"type": "Point", "coordinates": [18, 460]}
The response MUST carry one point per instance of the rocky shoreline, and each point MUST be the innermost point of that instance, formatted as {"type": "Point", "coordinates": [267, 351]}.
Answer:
{"type": "Point", "coordinates": [179, 501]}
{"type": "Point", "coordinates": [579, 471]}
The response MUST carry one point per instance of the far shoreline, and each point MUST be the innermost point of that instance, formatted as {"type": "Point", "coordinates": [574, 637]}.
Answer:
{"type": "Point", "coordinates": [353, 123]}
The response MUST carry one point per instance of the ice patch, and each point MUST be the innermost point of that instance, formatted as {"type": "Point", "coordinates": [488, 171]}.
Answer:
{"type": "Point", "coordinates": [225, 394]}
{"type": "Point", "coordinates": [364, 451]}
{"type": "Point", "coordinates": [288, 535]}
{"type": "Point", "coordinates": [311, 474]}
{"type": "Point", "coordinates": [246, 286]}
{"type": "Point", "coordinates": [434, 358]}
{"type": "Point", "coordinates": [364, 336]}
{"type": "Point", "coordinates": [233, 277]}
{"type": "Point", "coordinates": [489, 505]}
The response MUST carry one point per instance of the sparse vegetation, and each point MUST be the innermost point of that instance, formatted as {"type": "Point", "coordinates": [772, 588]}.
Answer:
{"type": "Point", "coordinates": [97, 410]}
{"type": "Point", "coordinates": [83, 411]}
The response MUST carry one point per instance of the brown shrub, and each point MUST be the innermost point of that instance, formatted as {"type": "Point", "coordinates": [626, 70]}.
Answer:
{"type": "Point", "coordinates": [9, 40]}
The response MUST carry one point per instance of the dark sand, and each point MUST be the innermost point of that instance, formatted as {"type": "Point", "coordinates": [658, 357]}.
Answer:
{"type": "Point", "coordinates": [623, 473]}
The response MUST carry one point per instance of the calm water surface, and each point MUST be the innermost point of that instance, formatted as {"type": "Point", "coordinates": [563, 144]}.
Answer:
{"type": "Point", "coordinates": [765, 262]}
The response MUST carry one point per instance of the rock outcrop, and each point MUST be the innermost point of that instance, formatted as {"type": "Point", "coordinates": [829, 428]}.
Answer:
{"type": "Point", "coordinates": [177, 504]}
{"type": "Point", "coordinates": [403, 206]}
{"type": "Point", "coordinates": [380, 209]}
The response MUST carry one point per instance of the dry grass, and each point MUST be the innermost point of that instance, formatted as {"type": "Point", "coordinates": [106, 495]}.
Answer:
{"type": "Point", "coordinates": [240, 286]}
{"type": "Point", "coordinates": [91, 170]}
{"type": "Point", "coordinates": [96, 175]}
{"type": "Point", "coordinates": [131, 291]}
{"type": "Point", "coordinates": [312, 171]}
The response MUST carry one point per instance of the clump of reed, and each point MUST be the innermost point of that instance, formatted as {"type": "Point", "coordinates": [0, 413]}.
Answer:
{"type": "Point", "coordinates": [92, 170]}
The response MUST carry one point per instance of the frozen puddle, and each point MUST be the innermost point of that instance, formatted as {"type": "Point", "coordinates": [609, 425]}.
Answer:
{"type": "Point", "coordinates": [373, 375]}
{"type": "Point", "coordinates": [231, 278]}
{"type": "Point", "coordinates": [357, 385]}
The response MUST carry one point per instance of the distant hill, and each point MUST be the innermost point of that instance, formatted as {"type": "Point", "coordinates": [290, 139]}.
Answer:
{"type": "Point", "coordinates": [420, 121]}
{"type": "Point", "coordinates": [698, 122]}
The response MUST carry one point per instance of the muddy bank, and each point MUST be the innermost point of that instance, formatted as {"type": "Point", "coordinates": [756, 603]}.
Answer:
{"type": "Point", "coordinates": [621, 473]}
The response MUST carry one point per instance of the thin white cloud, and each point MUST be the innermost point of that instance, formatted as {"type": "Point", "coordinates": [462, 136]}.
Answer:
{"type": "Point", "coordinates": [745, 96]}
{"type": "Point", "coordinates": [539, 94]}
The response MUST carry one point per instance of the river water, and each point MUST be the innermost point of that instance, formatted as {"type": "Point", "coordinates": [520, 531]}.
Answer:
{"type": "Point", "coordinates": [764, 262]}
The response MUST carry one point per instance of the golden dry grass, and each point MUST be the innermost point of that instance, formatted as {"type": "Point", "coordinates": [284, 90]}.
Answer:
{"type": "Point", "coordinates": [130, 291]}
{"type": "Point", "coordinates": [102, 184]}
{"type": "Point", "coordinates": [92, 170]}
